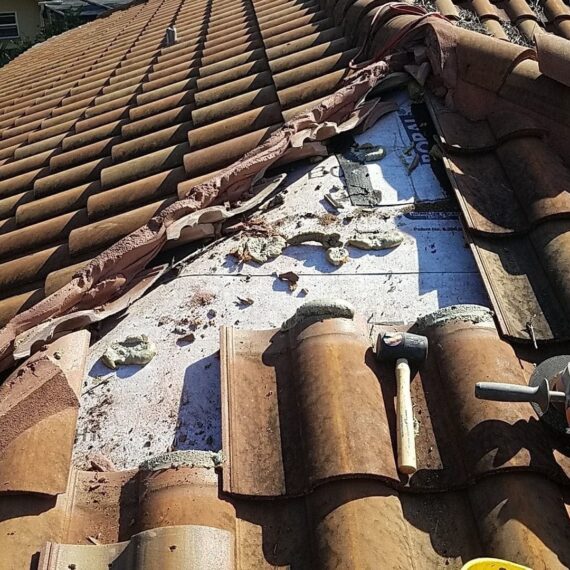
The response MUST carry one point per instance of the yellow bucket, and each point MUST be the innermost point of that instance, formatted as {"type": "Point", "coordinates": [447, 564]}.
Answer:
{"type": "Point", "coordinates": [492, 564]}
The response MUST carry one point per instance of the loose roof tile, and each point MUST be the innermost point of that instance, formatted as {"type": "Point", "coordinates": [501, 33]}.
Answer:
{"type": "Point", "coordinates": [39, 403]}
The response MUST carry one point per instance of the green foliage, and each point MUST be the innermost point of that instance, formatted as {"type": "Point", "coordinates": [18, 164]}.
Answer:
{"type": "Point", "coordinates": [60, 24]}
{"type": "Point", "coordinates": [9, 49]}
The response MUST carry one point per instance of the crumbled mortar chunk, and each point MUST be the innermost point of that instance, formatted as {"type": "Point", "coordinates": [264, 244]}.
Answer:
{"type": "Point", "coordinates": [474, 314]}
{"type": "Point", "coordinates": [337, 255]}
{"type": "Point", "coordinates": [376, 240]}
{"type": "Point", "coordinates": [320, 309]}
{"type": "Point", "coordinates": [137, 349]}
{"type": "Point", "coordinates": [191, 458]}
{"type": "Point", "coordinates": [260, 249]}
{"type": "Point", "coordinates": [327, 239]}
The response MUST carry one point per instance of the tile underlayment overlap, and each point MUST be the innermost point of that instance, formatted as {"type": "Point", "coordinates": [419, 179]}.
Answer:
{"type": "Point", "coordinates": [336, 499]}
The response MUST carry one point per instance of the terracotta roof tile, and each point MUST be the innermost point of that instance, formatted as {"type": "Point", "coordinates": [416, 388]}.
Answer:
{"type": "Point", "coordinates": [156, 120]}
{"type": "Point", "coordinates": [82, 154]}
{"type": "Point", "coordinates": [216, 156]}
{"type": "Point", "coordinates": [31, 267]}
{"type": "Point", "coordinates": [98, 235]}
{"type": "Point", "coordinates": [56, 127]}
{"type": "Point", "coordinates": [448, 9]}
{"type": "Point", "coordinates": [40, 235]}
{"type": "Point", "coordinates": [18, 303]}
{"type": "Point", "coordinates": [135, 193]}
{"type": "Point", "coordinates": [554, 57]}
{"type": "Point", "coordinates": [234, 126]}
{"type": "Point", "coordinates": [39, 403]}
{"type": "Point", "coordinates": [20, 182]}
{"type": "Point", "coordinates": [60, 203]}
{"type": "Point", "coordinates": [38, 147]}
{"type": "Point", "coordinates": [63, 180]}
{"type": "Point", "coordinates": [35, 161]}
{"type": "Point", "coordinates": [146, 165]}
{"type": "Point", "coordinates": [86, 138]}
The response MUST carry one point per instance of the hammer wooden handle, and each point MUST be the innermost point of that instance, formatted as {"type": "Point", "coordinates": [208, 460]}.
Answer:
{"type": "Point", "coordinates": [405, 418]}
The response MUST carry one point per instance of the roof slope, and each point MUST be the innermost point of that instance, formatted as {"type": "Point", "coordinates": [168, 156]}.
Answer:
{"type": "Point", "coordinates": [94, 144]}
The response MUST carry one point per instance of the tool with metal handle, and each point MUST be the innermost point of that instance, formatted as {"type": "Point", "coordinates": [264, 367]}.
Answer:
{"type": "Point", "coordinates": [540, 395]}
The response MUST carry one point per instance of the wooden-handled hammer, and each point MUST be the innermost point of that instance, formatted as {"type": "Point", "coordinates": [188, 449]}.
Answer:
{"type": "Point", "coordinates": [403, 348]}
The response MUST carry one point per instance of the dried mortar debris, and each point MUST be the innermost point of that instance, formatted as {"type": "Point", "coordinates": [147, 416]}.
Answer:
{"type": "Point", "coordinates": [337, 255]}
{"type": "Point", "coordinates": [260, 249]}
{"type": "Point", "coordinates": [475, 314]}
{"type": "Point", "coordinates": [191, 458]}
{"type": "Point", "coordinates": [327, 239]}
{"type": "Point", "coordinates": [136, 349]}
{"type": "Point", "coordinates": [376, 240]}
{"type": "Point", "coordinates": [320, 309]}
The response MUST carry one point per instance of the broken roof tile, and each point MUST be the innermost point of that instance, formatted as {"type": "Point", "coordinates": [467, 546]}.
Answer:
{"type": "Point", "coordinates": [39, 403]}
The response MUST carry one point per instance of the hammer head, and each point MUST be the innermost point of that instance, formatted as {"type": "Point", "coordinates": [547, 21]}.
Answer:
{"type": "Point", "coordinates": [391, 346]}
